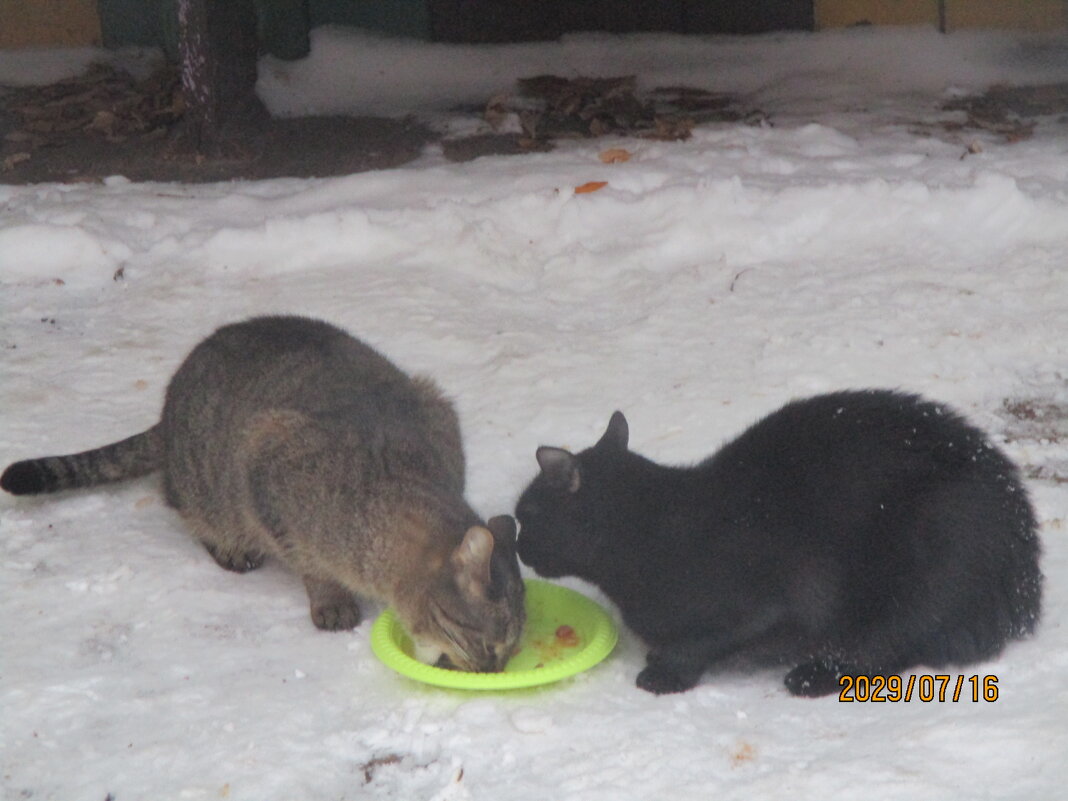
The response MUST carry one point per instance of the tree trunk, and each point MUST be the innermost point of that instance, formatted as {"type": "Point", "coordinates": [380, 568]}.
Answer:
{"type": "Point", "coordinates": [217, 50]}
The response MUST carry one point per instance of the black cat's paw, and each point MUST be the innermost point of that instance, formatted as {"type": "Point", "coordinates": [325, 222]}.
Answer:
{"type": "Point", "coordinates": [661, 680]}
{"type": "Point", "coordinates": [340, 616]}
{"type": "Point", "coordinates": [236, 561]}
{"type": "Point", "coordinates": [813, 679]}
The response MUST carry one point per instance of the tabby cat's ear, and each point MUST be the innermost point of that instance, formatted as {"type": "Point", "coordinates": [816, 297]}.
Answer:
{"type": "Point", "coordinates": [560, 468]}
{"type": "Point", "coordinates": [471, 560]}
{"type": "Point", "coordinates": [617, 434]}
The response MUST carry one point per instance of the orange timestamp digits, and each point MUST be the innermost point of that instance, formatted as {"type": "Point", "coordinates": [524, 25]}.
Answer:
{"type": "Point", "coordinates": [927, 687]}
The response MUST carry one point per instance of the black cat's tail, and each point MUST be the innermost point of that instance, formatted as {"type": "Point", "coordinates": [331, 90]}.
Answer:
{"type": "Point", "coordinates": [129, 458]}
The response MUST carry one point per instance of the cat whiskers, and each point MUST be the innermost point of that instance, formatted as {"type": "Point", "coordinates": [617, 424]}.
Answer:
{"type": "Point", "coordinates": [446, 625]}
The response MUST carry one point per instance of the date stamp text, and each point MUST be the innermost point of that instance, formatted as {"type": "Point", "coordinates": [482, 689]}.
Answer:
{"type": "Point", "coordinates": [941, 687]}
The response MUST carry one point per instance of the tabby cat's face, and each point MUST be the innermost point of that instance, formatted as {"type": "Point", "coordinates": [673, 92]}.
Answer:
{"type": "Point", "coordinates": [474, 611]}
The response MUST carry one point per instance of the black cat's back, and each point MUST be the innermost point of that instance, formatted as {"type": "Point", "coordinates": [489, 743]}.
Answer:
{"type": "Point", "coordinates": [909, 500]}
{"type": "Point", "coordinates": [867, 456]}
{"type": "Point", "coordinates": [864, 531]}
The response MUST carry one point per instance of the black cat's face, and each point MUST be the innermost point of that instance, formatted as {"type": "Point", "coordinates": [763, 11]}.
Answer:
{"type": "Point", "coordinates": [560, 511]}
{"type": "Point", "coordinates": [555, 537]}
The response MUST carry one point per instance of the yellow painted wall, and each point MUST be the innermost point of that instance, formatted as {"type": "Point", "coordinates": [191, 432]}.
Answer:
{"type": "Point", "coordinates": [1036, 15]}
{"type": "Point", "coordinates": [48, 23]}
{"type": "Point", "coordinates": [843, 13]}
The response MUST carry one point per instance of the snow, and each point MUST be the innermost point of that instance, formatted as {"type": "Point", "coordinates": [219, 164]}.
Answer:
{"type": "Point", "coordinates": [852, 243]}
{"type": "Point", "coordinates": [33, 66]}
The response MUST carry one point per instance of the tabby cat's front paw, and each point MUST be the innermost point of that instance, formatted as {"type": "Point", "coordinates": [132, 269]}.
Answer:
{"type": "Point", "coordinates": [336, 617]}
{"type": "Point", "coordinates": [236, 561]}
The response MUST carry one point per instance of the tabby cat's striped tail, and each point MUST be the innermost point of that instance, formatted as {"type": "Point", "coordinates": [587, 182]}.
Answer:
{"type": "Point", "coordinates": [129, 458]}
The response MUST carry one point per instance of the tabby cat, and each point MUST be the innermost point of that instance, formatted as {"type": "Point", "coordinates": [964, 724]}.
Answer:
{"type": "Point", "coordinates": [286, 437]}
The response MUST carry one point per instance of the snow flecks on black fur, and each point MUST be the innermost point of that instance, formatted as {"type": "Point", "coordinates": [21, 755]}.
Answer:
{"type": "Point", "coordinates": [859, 532]}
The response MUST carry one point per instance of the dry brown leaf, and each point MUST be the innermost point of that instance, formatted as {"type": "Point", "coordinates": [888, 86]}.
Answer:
{"type": "Point", "coordinates": [496, 112]}
{"type": "Point", "coordinates": [590, 186]}
{"type": "Point", "coordinates": [103, 121]}
{"type": "Point", "coordinates": [14, 159]}
{"type": "Point", "coordinates": [1020, 134]}
{"type": "Point", "coordinates": [671, 129]}
{"type": "Point", "coordinates": [614, 155]}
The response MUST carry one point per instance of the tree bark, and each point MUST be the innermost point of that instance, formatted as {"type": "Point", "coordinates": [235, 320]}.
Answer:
{"type": "Point", "coordinates": [217, 51]}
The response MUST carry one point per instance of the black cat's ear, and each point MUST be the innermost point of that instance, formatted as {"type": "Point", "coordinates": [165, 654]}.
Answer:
{"type": "Point", "coordinates": [617, 434]}
{"type": "Point", "coordinates": [503, 528]}
{"type": "Point", "coordinates": [560, 468]}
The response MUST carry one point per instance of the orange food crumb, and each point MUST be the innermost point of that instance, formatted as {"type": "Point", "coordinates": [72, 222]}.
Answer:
{"type": "Point", "coordinates": [567, 636]}
{"type": "Point", "coordinates": [614, 155]}
{"type": "Point", "coordinates": [590, 186]}
{"type": "Point", "coordinates": [551, 647]}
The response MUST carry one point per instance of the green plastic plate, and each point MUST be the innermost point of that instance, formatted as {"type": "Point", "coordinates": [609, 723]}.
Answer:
{"type": "Point", "coordinates": [548, 653]}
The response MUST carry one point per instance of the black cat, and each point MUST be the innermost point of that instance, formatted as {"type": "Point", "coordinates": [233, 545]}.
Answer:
{"type": "Point", "coordinates": [859, 532]}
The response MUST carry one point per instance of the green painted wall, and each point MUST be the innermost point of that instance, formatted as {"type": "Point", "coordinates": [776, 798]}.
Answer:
{"type": "Point", "coordinates": [284, 24]}
{"type": "Point", "coordinates": [131, 22]}
{"type": "Point", "coordinates": [398, 17]}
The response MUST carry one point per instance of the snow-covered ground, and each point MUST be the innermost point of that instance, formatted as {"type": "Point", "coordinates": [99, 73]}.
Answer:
{"type": "Point", "coordinates": [851, 243]}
